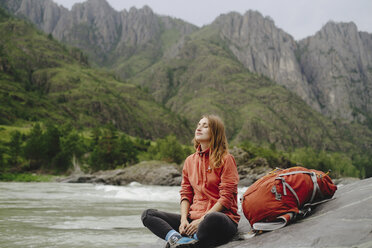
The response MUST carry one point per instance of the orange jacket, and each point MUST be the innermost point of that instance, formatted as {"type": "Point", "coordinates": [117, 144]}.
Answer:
{"type": "Point", "coordinates": [203, 187]}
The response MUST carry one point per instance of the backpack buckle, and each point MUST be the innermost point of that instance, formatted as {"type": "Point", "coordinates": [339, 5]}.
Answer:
{"type": "Point", "coordinates": [277, 195]}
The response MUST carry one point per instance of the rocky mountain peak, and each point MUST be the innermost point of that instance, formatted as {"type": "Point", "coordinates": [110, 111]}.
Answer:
{"type": "Point", "coordinates": [337, 62]}
{"type": "Point", "coordinates": [93, 8]}
{"type": "Point", "coordinates": [44, 13]}
{"type": "Point", "coordinates": [146, 10]}
{"type": "Point", "coordinates": [139, 26]}
{"type": "Point", "coordinates": [334, 29]}
{"type": "Point", "coordinates": [265, 49]}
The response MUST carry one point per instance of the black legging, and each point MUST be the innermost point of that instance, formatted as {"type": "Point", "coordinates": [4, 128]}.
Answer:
{"type": "Point", "coordinates": [216, 228]}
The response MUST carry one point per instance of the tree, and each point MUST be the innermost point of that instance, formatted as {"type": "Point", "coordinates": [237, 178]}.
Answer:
{"type": "Point", "coordinates": [14, 145]}
{"type": "Point", "coordinates": [105, 154]}
{"type": "Point", "coordinates": [96, 134]}
{"type": "Point", "coordinates": [364, 163]}
{"type": "Point", "coordinates": [127, 151]}
{"type": "Point", "coordinates": [169, 149]}
{"type": "Point", "coordinates": [51, 143]}
{"type": "Point", "coordinates": [2, 152]}
{"type": "Point", "coordinates": [34, 150]}
{"type": "Point", "coordinates": [72, 145]}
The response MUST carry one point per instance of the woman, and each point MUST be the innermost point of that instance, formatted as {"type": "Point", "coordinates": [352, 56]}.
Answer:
{"type": "Point", "coordinates": [208, 194]}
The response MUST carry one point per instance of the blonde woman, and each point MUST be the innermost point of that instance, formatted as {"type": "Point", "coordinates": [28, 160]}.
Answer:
{"type": "Point", "coordinates": [208, 194]}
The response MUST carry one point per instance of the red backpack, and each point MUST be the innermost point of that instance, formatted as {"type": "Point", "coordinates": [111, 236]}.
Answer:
{"type": "Point", "coordinates": [273, 200]}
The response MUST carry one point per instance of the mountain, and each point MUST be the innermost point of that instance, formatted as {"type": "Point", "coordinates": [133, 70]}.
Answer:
{"type": "Point", "coordinates": [241, 67]}
{"type": "Point", "coordinates": [331, 71]}
{"type": "Point", "coordinates": [265, 49]}
{"type": "Point", "coordinates": [126, 41]}
{"type": "Point", "coordinates": [43, 80]}
{"type": "Point", "coordinates": [337, 62]}
{"type": "Point", "coordinates": [205, 77]}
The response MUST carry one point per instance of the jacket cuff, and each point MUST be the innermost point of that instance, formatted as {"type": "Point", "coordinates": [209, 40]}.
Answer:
{"type": "Point", "coordinates": [186, 198]}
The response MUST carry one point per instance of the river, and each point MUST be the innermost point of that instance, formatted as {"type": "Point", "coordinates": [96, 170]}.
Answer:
{"type": "Point", "coordinates": [80, 215]}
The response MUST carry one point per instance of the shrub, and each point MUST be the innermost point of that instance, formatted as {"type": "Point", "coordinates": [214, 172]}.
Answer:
{"type": "Point", "coordinates": [169, 149]}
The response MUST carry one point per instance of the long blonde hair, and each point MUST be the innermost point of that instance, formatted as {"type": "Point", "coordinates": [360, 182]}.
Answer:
{"type": "Point", "coordinates": [218, 146]}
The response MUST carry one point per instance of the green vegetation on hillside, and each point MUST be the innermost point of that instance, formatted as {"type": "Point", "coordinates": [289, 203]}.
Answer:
{"type": "Point", "coordinates": [42, 80]}
{"type": "Point", "coordinates": [337, 163]}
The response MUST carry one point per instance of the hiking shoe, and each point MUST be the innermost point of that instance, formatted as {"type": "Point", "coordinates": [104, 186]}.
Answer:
{"type": "Point", "coordinates": [184, 242]}
{"type": "Point", "coordinates": [173, 240]}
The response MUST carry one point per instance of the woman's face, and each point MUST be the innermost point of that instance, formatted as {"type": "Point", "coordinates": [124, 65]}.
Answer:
{"type": "Point", "coordinates": [202, 133]}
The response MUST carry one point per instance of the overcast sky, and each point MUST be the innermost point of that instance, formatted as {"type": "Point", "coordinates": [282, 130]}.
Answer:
{"type": "Point", "coordinates": [300, 18]}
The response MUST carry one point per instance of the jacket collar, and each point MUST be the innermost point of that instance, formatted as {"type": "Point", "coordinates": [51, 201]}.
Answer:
{"type": "Point", "coordinates": [203, 153]}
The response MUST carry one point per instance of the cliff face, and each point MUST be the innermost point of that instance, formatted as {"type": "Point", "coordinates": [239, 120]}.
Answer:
{"type": "Point", "coordinates": [45, 14]}
{"type": "Point", "coordinates": [331, 71]}
{"type": "Point", "coordinates": [265, 49]}
{"type": "Point", "coordinates": [337, 62]}
{"type": "Point", "coordinates": [92, 24]}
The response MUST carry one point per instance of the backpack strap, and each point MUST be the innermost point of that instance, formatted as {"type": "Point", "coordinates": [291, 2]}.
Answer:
{"type": "Point", "coordinates": [315, 188]}
{"type": "Point", "coordinates": [286, 185]}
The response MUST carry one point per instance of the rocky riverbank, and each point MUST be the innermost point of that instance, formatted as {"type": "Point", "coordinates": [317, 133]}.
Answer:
{"type": "Point", "coordinates": [163, 173]}
{"type": "Point", "coordinates": [148, 172]}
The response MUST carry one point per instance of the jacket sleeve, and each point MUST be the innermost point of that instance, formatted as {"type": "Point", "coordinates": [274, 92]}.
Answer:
{"type": "Point", "coordinates": [186, 191]}
{"type": "Point", "coordinates": [229, 183]}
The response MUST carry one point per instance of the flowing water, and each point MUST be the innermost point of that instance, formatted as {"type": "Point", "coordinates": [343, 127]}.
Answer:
{"type": "Point", "coordinates": [79, 215]}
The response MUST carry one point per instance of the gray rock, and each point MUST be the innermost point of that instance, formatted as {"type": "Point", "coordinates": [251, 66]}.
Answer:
{"type": "Point", "coordinates": [337, 63]}
{"type": "Point", "coordinates": [148, 172]}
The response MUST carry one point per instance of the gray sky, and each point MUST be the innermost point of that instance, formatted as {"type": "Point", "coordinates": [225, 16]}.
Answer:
{"type": "Point", "coordinates": [299, 18]}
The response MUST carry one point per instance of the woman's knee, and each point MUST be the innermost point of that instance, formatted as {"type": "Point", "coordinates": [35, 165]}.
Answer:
{"type": "Point", "coordinates": [148, 213]}
{"type": "Point", "coordinates": [218, 227]}
{"type": "Point", "coordinates": [215, 218]}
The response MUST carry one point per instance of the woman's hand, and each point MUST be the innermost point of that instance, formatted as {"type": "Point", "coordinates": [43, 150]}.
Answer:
{"type": "Point", "coordinates": [185, 206]}
{"type": "Point", "coordinates": [193, 227]}
{"type": "Point", "coordinates": [184, 224]}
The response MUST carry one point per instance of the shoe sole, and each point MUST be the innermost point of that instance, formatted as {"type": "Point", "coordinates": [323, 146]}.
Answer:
{"type": "Point", "coordinates": [186, 245]}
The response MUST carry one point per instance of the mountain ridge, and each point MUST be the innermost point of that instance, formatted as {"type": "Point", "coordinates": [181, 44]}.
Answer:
{"type": "Point", "coordinates": [175, 66]}
{"type": "Point", "coordinates": [128, 42]}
